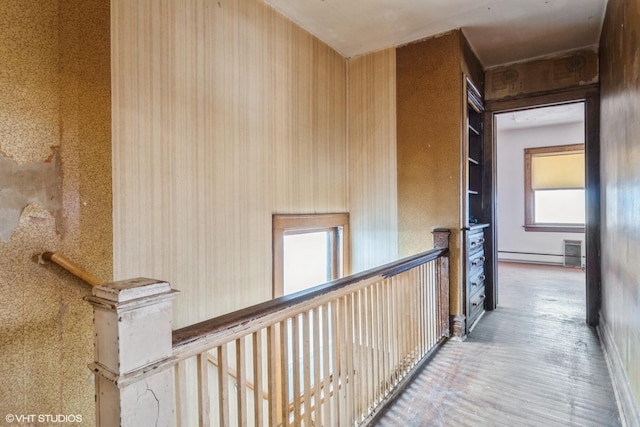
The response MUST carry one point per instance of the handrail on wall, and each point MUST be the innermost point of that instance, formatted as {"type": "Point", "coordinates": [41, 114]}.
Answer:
{"type": "Point", "coordinates": [71, 267]}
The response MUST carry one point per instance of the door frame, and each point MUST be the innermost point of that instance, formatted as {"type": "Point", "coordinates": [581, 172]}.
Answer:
{"type": "Point", "coordinates": [591, 97]}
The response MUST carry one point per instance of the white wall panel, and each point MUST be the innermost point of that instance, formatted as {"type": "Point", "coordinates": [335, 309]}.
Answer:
{"type": "Point", "coordinates": [224, 112]}
{"type": "Point", "coordinates": [372, 159]}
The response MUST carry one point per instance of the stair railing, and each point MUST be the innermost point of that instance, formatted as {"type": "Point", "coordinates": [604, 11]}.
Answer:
{"type": "Point", "coordinates": [330, 355]}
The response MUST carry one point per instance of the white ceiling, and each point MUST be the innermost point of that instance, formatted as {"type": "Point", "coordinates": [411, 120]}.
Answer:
{"type": "Point", "coordinates": [541, 116]}
{"type": "Point", "coordinates": [499, 31]}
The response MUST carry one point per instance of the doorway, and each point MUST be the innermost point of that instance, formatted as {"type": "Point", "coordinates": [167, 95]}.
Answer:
{"type": "Point", "coordinates": [540, 185]}
{"type": "Point", "coordinates": [589, 99]}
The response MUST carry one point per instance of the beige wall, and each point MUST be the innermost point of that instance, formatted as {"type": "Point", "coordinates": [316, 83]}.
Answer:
{"type": "Point", "coordinates": [54, 127]}
{"type": "Point", "coordinates": [372, 159]}
{"type": "Point", "coordinates": [224, 113]}
{"type": "Point", "coordinates": [429, 100]}
{"type": "Point", "coordinates": [620, 175]}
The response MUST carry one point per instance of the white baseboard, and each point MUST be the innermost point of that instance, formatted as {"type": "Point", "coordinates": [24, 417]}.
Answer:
{"type": "Point", "coordinates": [629, 413]}
{"type": "Point", "coordinates": [530, 261]}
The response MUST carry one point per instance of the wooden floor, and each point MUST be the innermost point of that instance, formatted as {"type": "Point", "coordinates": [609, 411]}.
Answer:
{"type": "Point", "coordinates": [531, 362]}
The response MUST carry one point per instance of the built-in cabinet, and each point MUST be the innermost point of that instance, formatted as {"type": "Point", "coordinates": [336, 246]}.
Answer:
{"type": "Point", "coordinates": [443, 165]}
{"type": "Point", "coordinates": [475, 253]}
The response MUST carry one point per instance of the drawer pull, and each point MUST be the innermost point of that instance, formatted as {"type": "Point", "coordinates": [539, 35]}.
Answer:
{"type": "Point", "coordinates": [482, 297]}
{"type": "Point", "coordinates": [480, 280]}
{"type": "Point", "coordinates": [477, 242]}
{"type": "Point", "coordinates": [478, 261]}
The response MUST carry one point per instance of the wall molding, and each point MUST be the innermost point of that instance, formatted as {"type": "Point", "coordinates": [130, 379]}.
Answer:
{"type": "Point", "coordinates": [629, 413]}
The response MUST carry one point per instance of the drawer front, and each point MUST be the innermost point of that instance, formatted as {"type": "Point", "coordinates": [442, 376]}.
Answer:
{"type": "Point", "coordinates": [475, 241]}
{"type": "Point", "coordinates": [476, 283]}
{"type": "Point", "coordinates": [476, 263]}
{"type": "Point", "coordinates": [476, 306]}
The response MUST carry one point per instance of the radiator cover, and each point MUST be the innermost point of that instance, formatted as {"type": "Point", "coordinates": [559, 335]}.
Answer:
{"type": "Point", "coordinates": [573, 253]}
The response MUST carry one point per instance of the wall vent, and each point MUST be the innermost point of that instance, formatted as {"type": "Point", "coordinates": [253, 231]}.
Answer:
{"type": "Point", "coordinates": [573, 253]}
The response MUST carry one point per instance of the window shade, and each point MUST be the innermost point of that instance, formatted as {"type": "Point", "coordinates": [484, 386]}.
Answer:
{"type": "Point", "coordinates": [557, 171]}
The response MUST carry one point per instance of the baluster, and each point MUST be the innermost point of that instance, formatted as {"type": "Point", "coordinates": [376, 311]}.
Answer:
{"type": "Point", "coordinates": [284, 353]}
{"type": "Point", "coordinates": [401, 330]}
{"type": "Point", "coordinates": [378, 345]}
{"type": "Point", "coordinates": [258, 409]}
{"type": "Point", "coordinates": [273, 374]}
{"type": "Point", "coordinates": [394, 342]}
{"type": "Point", "coordinates": [335, 363]}
{"type": "Point", "coordinates": [295, 361]}
{"type": "Point", "coordinates": [306, 360]}
{"type": "Point", "coordinates": [412, 316]}
{"type": "Point", "coordinates": [317, 357]}
{"type": "Point", "coordinates": [369, 365]}
{"type": "Point", "coordinates": [328, 363]}
{"type": "Point", "coordinates": [204, 403]}
{"type": "Point", "coordinates": [342, 367]}
{"type": "Point", "coordinates": [423, 308]}
{"type": "Point", "coordinates": [356, 378]}
{"type": "Point", "coordinates": [223, 385]}
{"type": "Point", "coordinates": [433, 305]}
{"type": "Point", "coordinates": [181, 393]}
{"type": "Point", "coordinates": [386, 356]}
{"type": "Point", "coordinates": [373, 345]}
{"type": "Point", "coordinates": [241, 387]}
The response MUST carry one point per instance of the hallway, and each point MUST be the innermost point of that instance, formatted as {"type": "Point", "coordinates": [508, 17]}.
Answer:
{"type": "Point", "coordinates": [531, 362]}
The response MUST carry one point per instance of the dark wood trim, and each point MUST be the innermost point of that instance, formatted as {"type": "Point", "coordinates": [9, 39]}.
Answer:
{"type": "Point", "coordinates": [589, 94]}
{"type": "Point", "coordinates": [592, 196]}
{"type": "Point", "coordinates": [490, 213]}
{"type": "Point", "coordinates": [203, 329]}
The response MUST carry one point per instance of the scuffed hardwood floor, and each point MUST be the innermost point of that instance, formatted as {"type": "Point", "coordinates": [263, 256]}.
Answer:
{"type": "Point", "coordinates": [531, 362]}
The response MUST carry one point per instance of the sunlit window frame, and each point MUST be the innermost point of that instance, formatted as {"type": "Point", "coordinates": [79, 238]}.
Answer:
{"type": "Point", "coordinates": [309, 223]}
{"type": "Point", "coordinates": [529, 193]}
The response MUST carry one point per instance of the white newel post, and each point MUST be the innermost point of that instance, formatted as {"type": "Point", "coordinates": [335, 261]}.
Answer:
{"type": "Point", "coordinates": [133, 353]}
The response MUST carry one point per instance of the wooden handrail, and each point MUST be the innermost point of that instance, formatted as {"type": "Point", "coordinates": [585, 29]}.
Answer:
{"type": "Point", "coordinates": [200, 330]}
{"type": "Point", "coordinates": [71, 267]}
{"type": "Point", "coordinates": [336, 352]}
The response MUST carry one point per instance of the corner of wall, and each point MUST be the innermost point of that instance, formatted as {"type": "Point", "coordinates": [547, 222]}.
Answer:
{"type": "Point", "coordinates": [629, 412]}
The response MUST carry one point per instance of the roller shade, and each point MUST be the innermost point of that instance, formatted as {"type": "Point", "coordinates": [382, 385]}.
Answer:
{"type": "Point", "coordinates": [550, 172]}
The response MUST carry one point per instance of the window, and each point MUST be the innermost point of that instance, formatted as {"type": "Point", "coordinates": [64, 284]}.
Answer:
{"type": "Point", "coordinates": [554, 188]}
{"type": "Point", "coordinates": [308, 250]}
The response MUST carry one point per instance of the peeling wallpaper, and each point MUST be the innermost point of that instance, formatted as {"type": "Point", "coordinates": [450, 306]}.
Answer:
{"type": "Point", "coordinates": [55, 194]}
{"type": "Point", "coordinates": [24, 184]}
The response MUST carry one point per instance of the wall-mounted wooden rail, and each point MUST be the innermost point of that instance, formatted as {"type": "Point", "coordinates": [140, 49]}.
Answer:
{"type": "Point", "coordinates": [71, 267]}
{"type": "Point", "coordinates": [330, 355]}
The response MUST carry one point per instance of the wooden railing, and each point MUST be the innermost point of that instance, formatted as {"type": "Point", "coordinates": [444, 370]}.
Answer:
{"type": "Point", "coordinates": [328, 356]}
{"type": "Point", "coordinates": [71, 267]}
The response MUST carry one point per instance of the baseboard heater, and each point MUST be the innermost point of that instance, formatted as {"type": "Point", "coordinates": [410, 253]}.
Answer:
{"type": "Point", "coordinates": [571, 256]}
{"type": "Point", "coordinates": [573, 253]}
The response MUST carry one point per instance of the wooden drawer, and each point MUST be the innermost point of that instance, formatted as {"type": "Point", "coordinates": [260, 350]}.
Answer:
{"type": "Point", "coordinates": [476, 263]}
{"type": "Point", "coordinates": [476, 306]}
{"type": "Point", "coordinates": [475, 241]}
{"type": "Point", "coordinates": [475, 258]}
{"type": "Point", "coordinates": [476, 283]}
